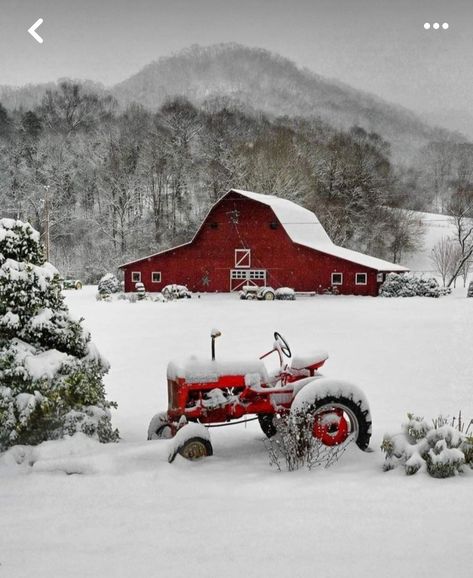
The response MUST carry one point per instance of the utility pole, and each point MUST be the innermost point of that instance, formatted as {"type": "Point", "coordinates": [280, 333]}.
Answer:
{"type": "Point", "coordinates": [46, 222]}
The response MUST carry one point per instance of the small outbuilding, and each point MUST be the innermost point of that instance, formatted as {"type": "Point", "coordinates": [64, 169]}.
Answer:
{"type": "Point", "coordinates": [253, 239]}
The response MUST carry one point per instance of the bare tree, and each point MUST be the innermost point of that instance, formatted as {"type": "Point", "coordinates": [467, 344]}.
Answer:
{"type": "Point", "coordinates": [444, 257]}
{"type": "Point", "coordinates": [406, 230]}
{"type": "Point", "coordinates": [461, 209]}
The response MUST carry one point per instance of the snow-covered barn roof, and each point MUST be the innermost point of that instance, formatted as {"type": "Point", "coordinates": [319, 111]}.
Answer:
{"type": "Point", "coordinates": [304, 228]}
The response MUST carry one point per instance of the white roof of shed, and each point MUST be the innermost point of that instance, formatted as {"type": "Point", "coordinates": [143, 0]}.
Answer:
{"type": "Point", "coordinates": [304, 228]}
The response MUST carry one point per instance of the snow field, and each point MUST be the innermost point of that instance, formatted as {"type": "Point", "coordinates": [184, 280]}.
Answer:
{"type": "Point", "coordinates": [86, 509]}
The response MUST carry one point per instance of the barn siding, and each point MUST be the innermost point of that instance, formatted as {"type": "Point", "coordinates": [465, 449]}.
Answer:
{"type": "Point", "coordinates": [211, 255]}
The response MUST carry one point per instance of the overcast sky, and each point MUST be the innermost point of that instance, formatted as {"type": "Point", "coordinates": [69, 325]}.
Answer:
{"type": "Point", "coordinates": [376, 45]}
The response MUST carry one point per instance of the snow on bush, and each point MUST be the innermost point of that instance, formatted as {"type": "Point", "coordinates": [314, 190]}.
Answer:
{"type": "Point", "coordinates": [404, 285]}
{"type": "Point", "coordinates": [440, 449]}
{"type": "Point", "coordinates": [294, 445]}
{"type": "Point", "coordinates": [108, 285]}
{"type": "Point", "coordinates": [285, 294]}
{"type": "Point", "coordinates": [50, 373]}
{"type": "Point", "coordinates": [135, 297]}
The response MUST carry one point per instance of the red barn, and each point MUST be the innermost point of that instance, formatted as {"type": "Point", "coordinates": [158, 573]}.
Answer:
{"type": "Point", "coordinates": [253, 239]}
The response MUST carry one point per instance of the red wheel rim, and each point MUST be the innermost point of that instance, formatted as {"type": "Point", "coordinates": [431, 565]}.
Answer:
{"type": "Point", "coordinates": [331, 427]}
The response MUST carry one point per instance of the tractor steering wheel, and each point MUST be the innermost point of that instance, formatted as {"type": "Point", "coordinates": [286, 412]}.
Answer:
{"type": "Point", "coordinates": [282, 344]}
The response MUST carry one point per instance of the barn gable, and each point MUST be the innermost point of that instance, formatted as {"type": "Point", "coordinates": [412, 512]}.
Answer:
{"type": "Point", "coordinates": [249, 238]}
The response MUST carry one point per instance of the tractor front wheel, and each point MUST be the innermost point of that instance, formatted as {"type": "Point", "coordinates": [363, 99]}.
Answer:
{"type": "Point", "coordinates": [195, 448]}
{"type": "Point", "coordinates": [159, 427]}
{"type": "Point", "coordinates": [192, 442]}
{"type": "Point", "coordinates": [266, 422]}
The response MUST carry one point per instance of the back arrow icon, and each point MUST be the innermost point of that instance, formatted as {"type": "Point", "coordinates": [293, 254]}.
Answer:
{"type": "Point", "coordinates": [33, 32]}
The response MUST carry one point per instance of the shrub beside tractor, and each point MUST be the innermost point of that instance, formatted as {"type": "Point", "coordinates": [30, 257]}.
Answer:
{"type": "Point", "coordinates": [201, 394]}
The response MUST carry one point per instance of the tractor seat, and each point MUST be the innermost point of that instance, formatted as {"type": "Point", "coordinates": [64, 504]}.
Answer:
{"type": "Point", "coordinates": [309, 361]}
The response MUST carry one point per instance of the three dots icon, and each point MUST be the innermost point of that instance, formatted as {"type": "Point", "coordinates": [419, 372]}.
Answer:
{"type": "Point", "coordinates": [436, 25]}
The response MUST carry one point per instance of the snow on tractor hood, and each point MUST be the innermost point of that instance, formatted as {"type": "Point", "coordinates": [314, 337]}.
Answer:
{"type": "Point", "coordinates": [197, 371]}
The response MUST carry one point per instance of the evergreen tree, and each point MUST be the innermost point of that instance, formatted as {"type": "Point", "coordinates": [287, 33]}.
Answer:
{"type": "Point", "coordinates": [50, 372]}
{"type": "Point", "coordinates": [5, 122]}
{"type": "Point", "coordinates": [31, 124]}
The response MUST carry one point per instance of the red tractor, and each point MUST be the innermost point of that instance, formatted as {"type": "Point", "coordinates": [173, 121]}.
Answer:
{"type": "Point", "coordinates": [214, 392]}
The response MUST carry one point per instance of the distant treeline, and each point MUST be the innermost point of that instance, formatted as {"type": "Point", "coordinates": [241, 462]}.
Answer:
{"type": "Point", "coordinates": [117, 184]}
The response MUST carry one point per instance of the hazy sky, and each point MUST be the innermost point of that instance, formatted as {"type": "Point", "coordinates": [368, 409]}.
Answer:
{"type": "Point", "coordinates": [376, 45]}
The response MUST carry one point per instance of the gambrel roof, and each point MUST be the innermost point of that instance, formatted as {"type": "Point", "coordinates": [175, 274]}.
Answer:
{"type": "Point", "coordinates": [304, 228]}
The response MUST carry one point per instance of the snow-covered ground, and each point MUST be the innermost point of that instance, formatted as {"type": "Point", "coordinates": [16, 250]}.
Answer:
{"type": "Point", "coordinates": [89, 510]}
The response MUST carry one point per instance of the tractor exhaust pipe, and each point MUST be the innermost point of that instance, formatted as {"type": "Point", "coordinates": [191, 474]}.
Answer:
{"type": "Point", "coordinates": [214, 334]}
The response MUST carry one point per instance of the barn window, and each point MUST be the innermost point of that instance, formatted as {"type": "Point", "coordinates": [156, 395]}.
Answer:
{"type": "Point", "coordinates": [242, 258]}
{"type": "Point", "coordinates": [380, 277]}
{"type": "Point", "coordinates": [214, 225]}
{"type": "Point", "coordinates": [337, 278]}
{"type": "Point", "coordinates": [136, 276]}
{"type": "Point", "coordinates": [254, 274]}
{"type": "Point", "coordinates": [261, 274]}
{"type": "Point", "coordinates": [273, 225]}
{"type": "Point", "coordinates": [239, 274]}
{"type": "Point", "coordinates": [156, 276]}
{"type": "Point", "coordinates": [361, 279]}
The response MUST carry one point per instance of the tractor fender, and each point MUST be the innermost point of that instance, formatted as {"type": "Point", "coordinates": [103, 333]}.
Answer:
{"type": "Point", "coordinates": [325, 387]}
{"type": "Point", "coordinates": [303, 383]}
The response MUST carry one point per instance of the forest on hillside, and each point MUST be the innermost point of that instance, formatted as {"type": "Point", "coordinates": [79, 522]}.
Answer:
{"type": "Point", "coordinates": [116, 183]}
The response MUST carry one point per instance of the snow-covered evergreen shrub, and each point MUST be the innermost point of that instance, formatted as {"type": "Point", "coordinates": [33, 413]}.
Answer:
{"type": "Point", "coordinates": [140, 291]}
{"type": "Point", "coordinates": [440, 449]}
{"type": "Point", "coordinates": [295, 446]}
{"type": "Point", "coordinates": [108, 285]}
{"type": "Point", "coordinates": [404, 285]}
{"type": "Point", "coordinates": [50, 373]}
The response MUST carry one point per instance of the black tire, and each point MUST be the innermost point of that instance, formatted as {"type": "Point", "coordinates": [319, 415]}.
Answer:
{"type": "Point", "coordinates": [266, 422]}
{"type": "Point", "coordinates": [159, 427]}
{"type": "Point", "coordinates": [194, 448]}
{"type": "Point", "coordinates": [354, 411]}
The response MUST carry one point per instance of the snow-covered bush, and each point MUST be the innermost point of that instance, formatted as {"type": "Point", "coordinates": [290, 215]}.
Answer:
{"type": "Point", "coordinates": [108, 285]}
{"type": "Point", "coordinates": [332, 290]}
{"type": "Point", "coordinates": [140, 291]}
{"type": "Point", "coordinates": [50, 373]}
{"type": "Point", "coordinates": [294, 445]}
{"type": "Point", "coordinates": [404, 285]}
{"type": "Point", "coordinates": [285, 294]}
{"type": "Point", "coordinates": [135, 297]}
{"type": "Point", "coordinates": [440, 449]}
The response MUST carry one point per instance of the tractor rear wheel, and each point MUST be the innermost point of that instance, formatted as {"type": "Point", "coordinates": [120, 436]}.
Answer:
{"type": "Point", "coordinates": [269, 296]}
{"type": "Point", "coordinates": [337, 414]}
{"type": "Point", "coordinates": [337, 418]}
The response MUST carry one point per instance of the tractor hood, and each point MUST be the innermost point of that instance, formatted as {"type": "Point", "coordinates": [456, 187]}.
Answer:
{"type": "Point", "coordinates": [199, 371]}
